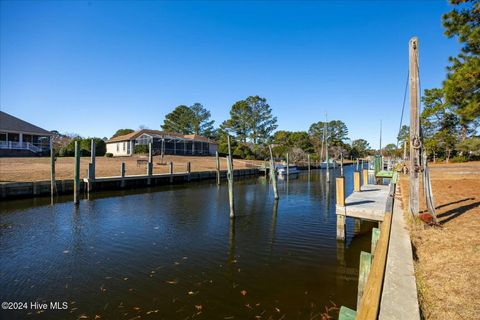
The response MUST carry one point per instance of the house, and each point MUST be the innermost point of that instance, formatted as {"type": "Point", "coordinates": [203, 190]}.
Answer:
{"type": "Point", "coordinates": [21, 138]}
{"type": "Point", "coordinates": [169, 142]}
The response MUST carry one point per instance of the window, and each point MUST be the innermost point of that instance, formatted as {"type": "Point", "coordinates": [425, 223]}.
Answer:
{"type": "Point", "coordinates": [124, 145]}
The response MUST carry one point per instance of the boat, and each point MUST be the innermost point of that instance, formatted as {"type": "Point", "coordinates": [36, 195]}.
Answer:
{"type": "Point", "coordinates": [330, 164]}
{"type": "Point", "coordinates": [282, 170]}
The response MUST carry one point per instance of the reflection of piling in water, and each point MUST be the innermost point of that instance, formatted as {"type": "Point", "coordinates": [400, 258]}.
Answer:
{"type": "Point", "coordinates": [273, 176]}
{"type": "Point", "coordinates": [274, 224]}
{"type": "Point", "coordinates": [341, 264]}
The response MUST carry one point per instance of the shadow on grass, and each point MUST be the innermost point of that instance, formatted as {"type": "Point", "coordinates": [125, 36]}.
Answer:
{"type": "Point", "coordinates": [456, 212]}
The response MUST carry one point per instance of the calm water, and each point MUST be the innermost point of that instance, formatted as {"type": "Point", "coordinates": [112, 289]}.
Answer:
{"type": "Point", "coordinates": [172, 252]}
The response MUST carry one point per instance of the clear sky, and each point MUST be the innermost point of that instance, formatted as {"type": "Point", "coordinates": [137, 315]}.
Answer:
{"type": "Point", "coordinates": [91, 67]}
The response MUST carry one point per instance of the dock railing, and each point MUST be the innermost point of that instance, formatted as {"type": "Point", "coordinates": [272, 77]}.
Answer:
{"type": "Point", "coordinates": [372, 268]}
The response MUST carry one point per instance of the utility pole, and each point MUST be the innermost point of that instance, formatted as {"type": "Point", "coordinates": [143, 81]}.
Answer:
{"type": "Point", "coordinates": [415, 139]}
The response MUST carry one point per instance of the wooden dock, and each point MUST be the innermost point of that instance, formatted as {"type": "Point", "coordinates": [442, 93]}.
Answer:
{"type": "Point", "coordinates": [368, 204]}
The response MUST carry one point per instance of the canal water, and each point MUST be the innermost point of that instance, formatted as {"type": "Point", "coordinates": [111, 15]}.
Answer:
{"type": "Point", "coordinates": [172, 252]}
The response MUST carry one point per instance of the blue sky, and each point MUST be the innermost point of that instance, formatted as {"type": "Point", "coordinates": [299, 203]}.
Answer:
{"type": "Point", "coordinates": [93, 67]}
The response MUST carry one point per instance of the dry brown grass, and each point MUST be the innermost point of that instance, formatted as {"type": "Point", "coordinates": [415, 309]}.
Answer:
{"type": "Point", "coordinates": [448, 258]}
{"type": "Point", "coordinates": [35, 169]}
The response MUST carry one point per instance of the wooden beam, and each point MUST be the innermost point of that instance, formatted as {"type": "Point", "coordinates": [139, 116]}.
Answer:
{"type": "Point", "coordinates": [364, 270]}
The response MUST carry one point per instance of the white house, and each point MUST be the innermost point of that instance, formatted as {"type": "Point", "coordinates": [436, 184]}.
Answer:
{"type": "Point", "coordinates": [168, 142]}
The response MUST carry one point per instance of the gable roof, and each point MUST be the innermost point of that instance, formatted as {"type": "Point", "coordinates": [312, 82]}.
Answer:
{"type": "Point", "coordinates": [13, 124]}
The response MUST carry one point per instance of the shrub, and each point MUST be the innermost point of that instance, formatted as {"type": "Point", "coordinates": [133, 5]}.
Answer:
{"type": "Point", "coordinates": [108, 155]}
{"type": "Point", "coordinates": [458, 159]}
{"type": "Point", "coordinates": [140, 148]}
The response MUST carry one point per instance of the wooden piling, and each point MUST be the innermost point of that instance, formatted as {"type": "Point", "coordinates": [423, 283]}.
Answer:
{"type": "Point", "coordinates": [365, 176]}
{"type": "Point", "coordinates": [273, 175]}
{"type": "Point", "coordinates": [375, 236]}
{"type": "Point", "coordinates": [171, 171]}
{"type": "Point", "coordinates": [122, 174]}
{"type": "Point", "coordinates": [356, 181]}
{"type": "Point", "coordinates": [340, 191]}
{"type": "Point", "coordinates": [341, 164]}
{"type": "Point", "coordinates": [150, 163]}
{"type": "Point", "coordinates": [288, 166]}
{"type": "Point", "coordinates": [52, 172]}
{"type": "Point", "coordinates": [76, 174]}
{"type": "Point", "coordinates": [91, 167]}
{"type": "Point", "coordinates": [189, 170]}
{"type": "Point", "coordinates": [357, 164]}
{"type": "Point", "coordinates": [230, 179]}
{"type": "Point", "coordinates": [217, 164]}
{"type": "Point", "coordinates": [341, 227]}
{"type": "Point", "coordinates": [415, 137]}
{"type": "Point", "coordinates": [364, 270]}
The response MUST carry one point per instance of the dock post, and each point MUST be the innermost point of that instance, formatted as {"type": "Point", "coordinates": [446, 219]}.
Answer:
{"type": "Point", "coordinates": [230, 179]}
{"type": "Point", "coordinates": [375, 237]}
{"type": "Point", "coordinates": [150, 163]}
{"type": "Point", "coordinates": [76, 174]}
{"type": "Point", "coordinates": [122, 173]}
{"type": "Point", "coordinates": [357, 164]}
{"type": "Point", "coordinates": [308, 159]}
{"type": "Point", "coordinates": [52, 172]}
{"type": "Point", "coordinates": [91, 166]}
{"type": "Point", "coordinates": [364, 270]}
{"type": "Point", "coordinates": [171, 171]}
{"type": "Point", "coordinates": [189, 170]}
{"type": "Point", "coordinates": [341, 164]}
{"type": "Point", "coordinates": [340, 195]}
{"type": "Point", "coordinates": [273, 176]}
{"type": "Point", "coordinates": [288, 166]}
{"type": "Point", "coordinates": [365, 177]}
{"type": "Point", "coordinates": [217, 165]}
{"type": "Point", "coordinates": [356, 181]}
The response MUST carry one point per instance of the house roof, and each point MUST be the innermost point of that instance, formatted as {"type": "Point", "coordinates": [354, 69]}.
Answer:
{"type": "Point", "coordinates": [136, 134]}
{"type": "Point", "coordinates": [10, 123]}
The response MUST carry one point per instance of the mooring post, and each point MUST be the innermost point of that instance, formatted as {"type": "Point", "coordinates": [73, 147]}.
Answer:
{"type": "Point", "coordinates": [171, 171]}
{"type": "Point", "coordinates": [365, 177]}
{"type": "Point", "coordinates": [230, 179]}
{"type": "Point", "coordinates": [91, 166]}
{"type": "Point", "coordinates": [308, 160]}
{"type": "Point", "coordinates": [415, 138]}
{"type": "Point", "coordinates": [356, 181]}
{"type": "Point", "coordinates": [150, 163]}
{"type": "Point", "coordinates": [340, 195]}
{"type": "Point", "coordinates": [52, 172]}
{"type": "Point", "coordinates": [189, 170]}
{"type": "Point", "coordinates": [217, 167]}
{"type": "Point", "coordinates": [122, 174]}
{"type": "Point", "coordinates": [341, 164]}
{"type": "Point", "coordinates": [364, 270]}
{"type": "Point", "coordinates": [273, 176]}
{"type": "Point", "coordinates": [288, 166]}
{"type": "Point", "coordinates": [357, 164]}
{"type": "Point", "coordinates": [76, 174]}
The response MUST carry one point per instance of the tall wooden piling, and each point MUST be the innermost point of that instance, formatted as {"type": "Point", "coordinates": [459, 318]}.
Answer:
{"type": "Point", "coordinates": [364, 270]}
{"type": "Point", "coordinates": [340, 199]}
{"type": "Point", "coordinates": [415, 138]}
{"type": "Point", "coordinates": [52, 172]}
{"type": "Point", "coordinates": [189, 170]}
{"type": "Point", "coordinates": [230, 179]}
{"type": "Point", "coordinates": [357, 164]}
{"type": "Point", "coordinates": [171, 171]}
{"type": "Point", "coordinates": [341, 164]}
{"type": "Point", "coordinates": [217, 167]}
{"type": "Point", "coordinates": [91, 166]}
{"type": "Point", "coordinates": [356, 181]}
{"type": "Point", "coordinates": [308, 159]}
{"type": "Point", "coordinates": [288, 166]}
{"type": "Point", "coordinates": [76, 174]}
{"type": "Point", "coordinates": [122, 174]}
{"type": "Point", "coordinates": [365, 176]}
{"type": "Point", "coordinates": [273, 175]}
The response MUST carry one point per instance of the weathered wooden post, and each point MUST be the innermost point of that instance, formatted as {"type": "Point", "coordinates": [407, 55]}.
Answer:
{"type": "Point", "coordinates": [122, 174]}
{"type": "Point", "coordinates": [91, 166]}
{"type": "Point", "coordinates": [217, 166]}
{"type": "Point", "coordinates": [163, 150]}
{"type": "Point", "coordinates": [415, 138]}
{"type": "Point", "coordinates": [364, 270]}
{"type": "Point", "coordinates": [326, 150]}
{"type": "Point", "coordinates": [365, 176]}
{"type": "Point", "coordinates": [52, 172]}
{"type": "Point", "coordinates": [171, 171]}
{"type": "Point", "coordinates": [273, 176]}
{"type": "Point", "coordinates": [230, 179]}
{"type": "Point", "coordinates": [308, 159]}
{"type": "Point", "coordinates": [357, 164]}
{"type": "Point", "coordinates": [189, 170]}
{"type": "Point", "coordinates": [340, 195]}
{"type": "Point", "coordinates": [375, 237]}
{"type": "Point", "coordinates": [76, 174]}
{"type": "Point", "coordinates": [150, 163]}
{"type": "Point", "coordinates": [356, 181]}
{"type": "Point", "coordinates": [341, 164]}
{"type": "Point", "coordinates": [288, 166]}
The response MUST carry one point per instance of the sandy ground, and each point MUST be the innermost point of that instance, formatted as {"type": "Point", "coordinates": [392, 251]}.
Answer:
{"type": "Point", "coordinates": [35, 169]}
{"type": "Point", "coordinates": [448, 257]}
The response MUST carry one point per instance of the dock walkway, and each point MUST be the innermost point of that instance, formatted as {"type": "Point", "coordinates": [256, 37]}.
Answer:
{"type": "Point", "coordinates": [368, 204]}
